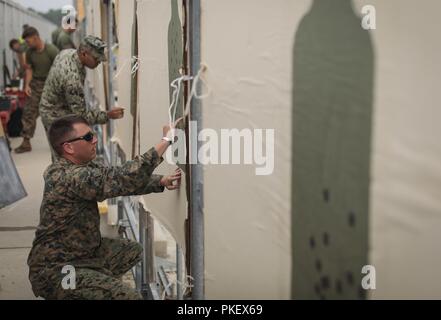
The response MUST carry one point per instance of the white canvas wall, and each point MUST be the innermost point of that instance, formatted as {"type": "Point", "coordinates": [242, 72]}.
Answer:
{"type": "Point", "coordinates": [95, 77]}
{"type": "Point", "coordinates": [406, 171]}
{"type": "Point", "coordinates": [153, 19]}
{"type": "Point", "coordinates": [247, 46]}
{"type": "Point", "coordinates": [124, 127]}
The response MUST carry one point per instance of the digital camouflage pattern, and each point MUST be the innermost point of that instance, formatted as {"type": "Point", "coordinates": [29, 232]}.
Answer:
{"type": "Point", "coordinates": [97, 46]}
{"type": "Point", "coordinates": [30, 111]}
{"type": "Point", "coordinates": [69, 234]}
{"type": "Point", "coordinates": [63, 92]}
{"type": "Point", "coordinates": [115, 256]}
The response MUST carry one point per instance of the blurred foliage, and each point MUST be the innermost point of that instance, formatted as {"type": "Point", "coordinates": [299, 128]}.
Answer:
{"type": "Point", "coordinates": [52, 15]}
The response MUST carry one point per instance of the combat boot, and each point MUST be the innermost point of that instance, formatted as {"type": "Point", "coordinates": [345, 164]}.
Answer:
{"type": "Point", "coordinates": [24, 147]}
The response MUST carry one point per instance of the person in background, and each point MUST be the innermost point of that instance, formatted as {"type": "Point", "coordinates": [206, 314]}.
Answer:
{"type": "Point", "coordinates": [54, 35]}
{"type": "Point", "coordinates": [38, 58]}
{"type": "Point", "coordinates": [20, 50]}
{"type": "Point", "coordinates": [64, 40]}
{"type": "Point", "coordinates": [62, 37]}
{"type": "Point", "coordinates": [64, 89]}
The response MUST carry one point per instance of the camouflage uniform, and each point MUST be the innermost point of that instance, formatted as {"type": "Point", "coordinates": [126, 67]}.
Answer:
{"type": "Point", "coordinates": [69, 234]}
{"type": "Point", "coordinates": [30, 111]}
{"type": "Point", "coordinates": [63, 93]}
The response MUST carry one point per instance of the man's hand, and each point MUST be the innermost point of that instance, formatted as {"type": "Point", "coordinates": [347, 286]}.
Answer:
{"type": "Point", "coordinates": [168, 181]}
{"type": "Point", "coordinates": [28, 91]}
{"type": "Point", "coordinates": [165, 130]}
{"type": "Point", "coordinates": [116, 113]}
{"type": "Point", "coordinates": [168, 131]}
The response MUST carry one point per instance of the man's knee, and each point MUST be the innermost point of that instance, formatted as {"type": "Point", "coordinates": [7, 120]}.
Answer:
{"type": "Point", "coordinates": [136, 248]}
{"type": "Point", "coordinates": [93, 285]}
{"type": "Point", "coordinates": [132, 251]}
{"type": "Point", "coordinates": [124, 246]}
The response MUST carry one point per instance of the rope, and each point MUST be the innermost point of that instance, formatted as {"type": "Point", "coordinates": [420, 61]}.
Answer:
{"type": "Point", "coordinates": [176, 85]}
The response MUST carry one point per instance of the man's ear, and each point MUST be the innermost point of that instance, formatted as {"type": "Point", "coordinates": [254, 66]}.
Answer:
{"type": "Point", "coordinates": [68, 149]}
{"type": "Point", "coordinates": [81, 53]}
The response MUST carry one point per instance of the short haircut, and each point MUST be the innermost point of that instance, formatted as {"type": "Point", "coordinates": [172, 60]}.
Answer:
{"type": "Point", "coordinates": [62, 129]}
{"type": "Point", "coordinates": [12, 42]}
{"type": "Point", "coordinates": [29, 32]}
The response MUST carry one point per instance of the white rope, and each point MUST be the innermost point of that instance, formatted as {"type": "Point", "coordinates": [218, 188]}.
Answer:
{"type": "Point", "coordinates": [193, 92]}
{"type": "Point", "coordinates": [134, 61]}
{"type": "Point", "coordinates": [176, 85]}
{"type": "Point", "coordinates": [185, 285]}
{"type": "Point", "coordinates": [135, 65]}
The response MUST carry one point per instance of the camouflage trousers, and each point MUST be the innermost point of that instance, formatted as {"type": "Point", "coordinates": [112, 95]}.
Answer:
{"type": "Point", "coordinates": [30, 111]}
{"type": "Point", "coordinates": [103, 282]}
{"type": "Point", "coordinates": [54, 155]}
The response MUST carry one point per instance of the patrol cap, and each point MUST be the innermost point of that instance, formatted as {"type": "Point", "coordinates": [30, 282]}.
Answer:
{"type": "Point", "coordinates": [97, 46]}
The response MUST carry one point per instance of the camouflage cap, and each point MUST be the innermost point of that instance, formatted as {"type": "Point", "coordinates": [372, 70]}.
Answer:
{"type": "Point", "coordinates": [97, 47]}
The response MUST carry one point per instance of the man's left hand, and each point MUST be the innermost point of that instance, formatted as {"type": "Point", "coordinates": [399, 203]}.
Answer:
{"type": "Point", "coordinates": [168, 181]}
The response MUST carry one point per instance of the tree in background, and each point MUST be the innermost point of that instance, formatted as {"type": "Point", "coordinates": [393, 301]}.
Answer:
{"type": "Point", "coordinates": [52, 15]}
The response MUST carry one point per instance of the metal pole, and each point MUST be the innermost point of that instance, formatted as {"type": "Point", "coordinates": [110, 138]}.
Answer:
{"type": "Point", "coordinates": [146, 238]}
{"type": "Point", "coordinates": [179, 273]}
{"type": "Point", "coordinates": [110, 96]}
{"type": "Point", "coordinates": [197, 205]}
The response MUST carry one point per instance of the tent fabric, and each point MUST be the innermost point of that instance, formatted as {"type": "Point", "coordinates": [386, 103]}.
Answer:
{"type": "Point", "coordinates": [388, 141]}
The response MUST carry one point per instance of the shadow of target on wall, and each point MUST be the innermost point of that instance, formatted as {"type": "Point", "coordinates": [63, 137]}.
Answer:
{"type": "Point", "coordinates": [331, 132]}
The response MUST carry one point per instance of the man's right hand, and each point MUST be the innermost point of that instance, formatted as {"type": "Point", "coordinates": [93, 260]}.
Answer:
{"type": "Point", "coordinates": [28, 91]}
{"type": "Point", "coordinates": [166, 130]}
{"type": "Point", "coordinates": [116, 113]}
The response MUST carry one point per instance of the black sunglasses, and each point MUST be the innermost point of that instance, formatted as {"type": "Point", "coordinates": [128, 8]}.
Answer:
{"type": "Point", "coordinates": [87, 137]}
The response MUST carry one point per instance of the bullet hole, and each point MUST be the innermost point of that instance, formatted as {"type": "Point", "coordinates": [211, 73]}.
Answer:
{"type": "Point", "coordinates": [326, 239]}
{"type": "Point", "coordinates": [350, 278]}
{"type": "Point", "coordinates": [318, 265]}
{"type": "Point", "coordinates": [351, 219]}
{"type": "Point", "coordinates": [324, 281]}
{"type": "Point", "coordinates": [312, 242]}
{"type": "Point", "coordinates": [326, 195]}
{"type": "Point", "coordinates": [339, 287]}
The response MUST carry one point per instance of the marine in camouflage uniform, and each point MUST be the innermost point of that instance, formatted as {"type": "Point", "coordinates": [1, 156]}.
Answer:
{"type": "Point", "coordinates": [64, 90]}
{"type": "Point", "coordinates": [69, 234]}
